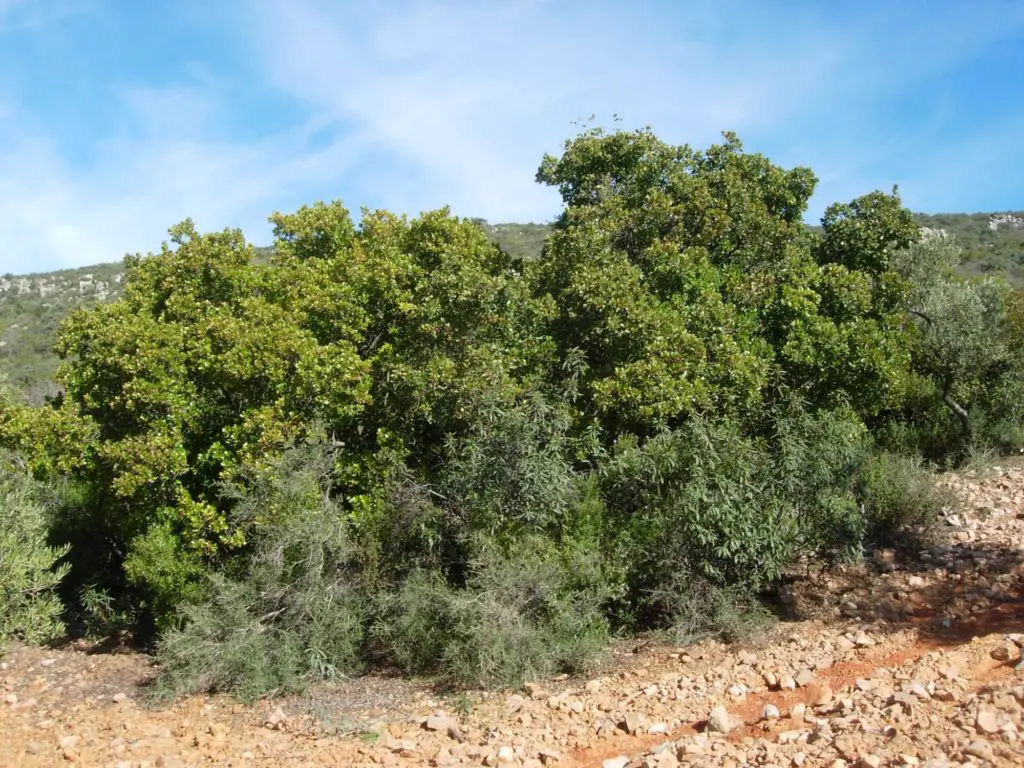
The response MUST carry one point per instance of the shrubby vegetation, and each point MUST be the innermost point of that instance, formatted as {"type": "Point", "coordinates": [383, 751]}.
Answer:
{"type": "Point", "coordinates": [899, 498]}
{"type": "Point", "coordinates": [396, 443]}
{"type": "Point", "coordinates": [966, 373]}
{"type": "Point", "coordinates": [30, 609]}
{"type": "Point", "coordinates": [293, 608]}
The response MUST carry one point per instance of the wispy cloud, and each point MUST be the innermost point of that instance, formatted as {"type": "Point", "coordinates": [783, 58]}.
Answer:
{"type": "Point", "coordinates": [471, 99]}
{"type": "Point", "coordinates": [55, 215]}
{"type": "Point", "coordinates": [256, 105]}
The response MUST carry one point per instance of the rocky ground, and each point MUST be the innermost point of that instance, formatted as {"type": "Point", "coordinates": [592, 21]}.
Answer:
{"type": "Point", "coordinates": [900, 661]}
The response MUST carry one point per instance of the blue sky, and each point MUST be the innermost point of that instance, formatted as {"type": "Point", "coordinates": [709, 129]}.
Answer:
{"type": "Point", "coordinates": [119, 118]}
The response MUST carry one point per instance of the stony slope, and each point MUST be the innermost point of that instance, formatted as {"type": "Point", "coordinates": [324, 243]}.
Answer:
{"type": "Point", "coordinates": [898, 661]}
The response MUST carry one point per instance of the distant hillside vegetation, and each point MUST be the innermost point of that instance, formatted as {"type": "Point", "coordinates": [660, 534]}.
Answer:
{"type": "Point", "coordinates": [31, 306]}
{"type": "Point", "coordinates": [522, 241]}
{"type": "Point", "coordinates": [992, 242]}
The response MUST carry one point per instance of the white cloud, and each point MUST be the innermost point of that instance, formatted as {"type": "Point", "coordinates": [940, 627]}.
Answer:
{"type": "Point", "coordinates": [416, 104]}
{"type": "Point", "coordinates": [472, 96]}
{"type": "Point", "coordinates": [444, 99]}
{"type": "Point", "coordinates": [53, 215]}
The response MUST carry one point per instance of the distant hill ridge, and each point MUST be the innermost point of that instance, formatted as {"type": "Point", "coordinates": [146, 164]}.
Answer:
{"type": "Point", "coordinates": [992, 242]}
{"type": "Point", "coordinates": [32, 306]}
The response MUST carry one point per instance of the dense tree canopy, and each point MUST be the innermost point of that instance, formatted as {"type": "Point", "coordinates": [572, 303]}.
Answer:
{"type": "Point", "coordinates": [689, 385]}
{"type": "Point", "coordinates": [690, 283]}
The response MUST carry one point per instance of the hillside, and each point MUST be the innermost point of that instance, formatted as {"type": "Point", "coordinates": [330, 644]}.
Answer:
{"type": "Point", "coordinates": [31, 306]}
{"type": "Point", "coordinates": [992, 242]}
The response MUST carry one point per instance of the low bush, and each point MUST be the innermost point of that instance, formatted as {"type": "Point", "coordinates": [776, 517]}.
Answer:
{"type": "Point", "coordinates": [900, 499]}
{"type": "Point", "coordinates": [293, 612]}
{"type": "Point", "coordinates": [95, 591]}
{"type": "Point", "coordinates": [728, 507]}
{"type": "Point", "coordinates": [698, 498]}
{"type": "Point", "coordinates": [698, 610]}
{"type": "Point", "coordinates": [525, 613]}
{"type": "Point", "coordinates": [164, 574]}
{"type": "Point", "coordinates": [30, 569]}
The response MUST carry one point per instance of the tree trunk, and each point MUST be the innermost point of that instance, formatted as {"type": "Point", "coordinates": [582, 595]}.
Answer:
{"type": "Point", "coordinates": [956, 408]}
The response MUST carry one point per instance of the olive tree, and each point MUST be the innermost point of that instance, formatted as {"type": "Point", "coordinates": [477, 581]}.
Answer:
{"type": "Point", "coordinates": [962, 325]}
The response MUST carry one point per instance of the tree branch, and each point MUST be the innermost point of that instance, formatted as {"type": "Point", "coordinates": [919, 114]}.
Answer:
{"type": "Point", "coordinates": [923, 316]}
{"type": "Point", "coordinates": [955, 407]}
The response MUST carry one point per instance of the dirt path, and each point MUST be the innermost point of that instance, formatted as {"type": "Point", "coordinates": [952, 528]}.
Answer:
{"type": "Point", "coordinates": [907, 663]}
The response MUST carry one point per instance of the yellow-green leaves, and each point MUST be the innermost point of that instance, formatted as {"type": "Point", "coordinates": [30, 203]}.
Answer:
{"type": "Point", "coordinates": [691, 285]}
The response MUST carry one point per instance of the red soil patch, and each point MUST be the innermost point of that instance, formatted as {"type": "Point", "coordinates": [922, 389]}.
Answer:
{"type": "Point", "coordinates": [997, 620]}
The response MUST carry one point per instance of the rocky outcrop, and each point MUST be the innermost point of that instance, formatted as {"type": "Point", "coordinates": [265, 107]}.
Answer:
{"type": "Point", "coordinates": [997, 220]}
{"type": "Point", "coordinates": [55, 285]}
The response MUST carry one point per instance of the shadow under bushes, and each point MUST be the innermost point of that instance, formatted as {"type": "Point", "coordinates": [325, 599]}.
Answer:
{"type": "Point", "coordinates": [949, 593]}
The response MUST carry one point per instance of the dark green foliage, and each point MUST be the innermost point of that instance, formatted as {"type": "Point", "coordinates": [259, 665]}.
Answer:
{"type": "Point", "coordinates": [728, 509]}
{"type": "Point", "coordinates": [851, 233]}
{"type": "Point", "coordinates": [687, 283]}
{"type": "Point", "coordinates": [815, 456]}
{"type": "Point", "coordinates": [397, 443]}
{"type": "Point", "coordinates": [698, 499]}
{"type": "Point", "coordinates": [512, 470]}
{"type": "Point", "coordinates": [1000, 420]}
{"type": "Point", "coordinates": [498, 569]}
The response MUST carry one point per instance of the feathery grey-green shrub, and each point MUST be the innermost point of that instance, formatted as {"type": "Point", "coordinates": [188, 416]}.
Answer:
{"type": "Point", "coordinates": [294, 612]}
{"type": "Point", "coordinates": [29, 571]}
{"type": "Point", "coordinates": [525, 613]}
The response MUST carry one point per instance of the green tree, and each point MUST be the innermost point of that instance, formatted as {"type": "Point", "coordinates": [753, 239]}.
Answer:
{"type": "Point", "coordinates": [384, 336]}
{"type": "Point", "coordinates": [688, 283]}
{"type": "Point", "coordinates": [963, 331]}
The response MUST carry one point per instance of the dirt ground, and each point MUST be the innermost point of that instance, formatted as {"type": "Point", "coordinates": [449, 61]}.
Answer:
{"type": "Point", "coordinates": [904, 660]}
